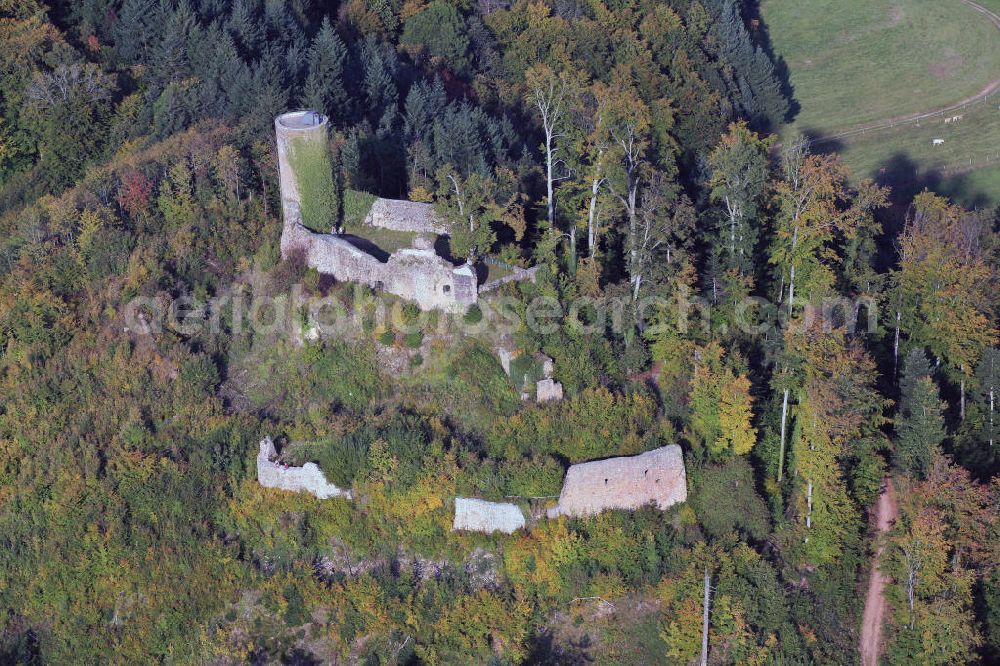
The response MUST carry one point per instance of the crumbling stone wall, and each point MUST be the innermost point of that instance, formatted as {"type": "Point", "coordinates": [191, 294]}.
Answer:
{"type": "Point", "coordinates": [517, 274]}
{"type": "Point", "coordinates": [476, 515]}
{"type": "Point", "coordinates": [401, 215]}
{"type": "Point", "coordinates": [308, 478]}
{"type": "Point", "coordinates": [548, 389]}
{"type": "Point", "coordinates": [655, 476]}
{"type": "Point", "coordinates": [415, 274]}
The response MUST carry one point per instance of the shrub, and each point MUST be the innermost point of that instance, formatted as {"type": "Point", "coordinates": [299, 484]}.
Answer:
{"type": "Point", "coordinates": [416, 360]}
{"type": "Point", "coordinates": [345, 458]}
{"type": "Point", "coordinates": [295, 610]}
{"type": "Point", "coordinates": [592, 424]}
{"type": "Point", "coordinates": [414, 339]}
{"type": "Point", "coordinates": [410, 313]}
{"type": "Point", "coordinates": [288, 272]}
{"type": "Point", "coordinates": [356, 207]}
{"type": "Point", "coordinates": [744, 510]}
{"type": "Point", "coordinates": [311, 280]}
{"type": "Point", "coordinates": [476, 385]}
{"type": "Point", "coordinates": [534, 477]}
{"type": "Point", "coordinates": [473, 315]}
{"type": "Point", "coordinates": [345, 375]}
{"type": "Point", "coordinates": [525, 370]}
{"type": "Point", "coordinates": [404, 439]}
{"type": "Point", "coordinates": [387, 337]}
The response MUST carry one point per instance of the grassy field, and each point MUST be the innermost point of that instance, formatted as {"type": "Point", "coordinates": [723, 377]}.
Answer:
{"type": "Point", "coordinates": [852, 62]}
{"type": "Point", "coordinates": [856, 61]}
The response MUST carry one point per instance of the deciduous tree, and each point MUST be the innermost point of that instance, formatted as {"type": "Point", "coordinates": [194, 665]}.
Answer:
{"type": "Point", "coordinates": [739, 177]}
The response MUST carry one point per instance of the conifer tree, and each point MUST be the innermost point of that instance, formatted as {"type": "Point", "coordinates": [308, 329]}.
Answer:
{"type": "Point", "coordinates": [379, 84]}
{"type": "Point", "coordinates": [324, 87]}
{"type": "Point", "coordinates": [424, 104]}
{"type": "Point", "coordinates": [919, 421]}
{"type": "Point", "coordinates": [758, 90]}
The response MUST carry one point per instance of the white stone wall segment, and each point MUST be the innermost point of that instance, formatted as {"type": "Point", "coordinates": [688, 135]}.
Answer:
{"type": "Point", "coordinates": [476, 515]}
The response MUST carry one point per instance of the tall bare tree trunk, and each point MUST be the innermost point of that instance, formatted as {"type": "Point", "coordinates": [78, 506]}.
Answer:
{"type": "Point", "coordinates": [911, 584]}
{"type": "Point", "coordinates": [809, 503]}
{"type": "Point", "coordinates": [595, 187]}
{"type": "Point", "coordinates": [572, 250]}
{"type": "Point", "coordinates": [895, 347]}
{"type": "Point", "coordinates": [549, 185]}
{"type": "Point", "coordinates": [991, 416]}
{"type": "Point", "coordinates": [732, 228]}
{"type": "Point", "coordinates": [704, 620]}
{"type": "Point", "coordinates": [781, 449]}
{"type": "Point", "coordinates": [961, 401]}
{"type": "Point", "coordinates": [791, 274]}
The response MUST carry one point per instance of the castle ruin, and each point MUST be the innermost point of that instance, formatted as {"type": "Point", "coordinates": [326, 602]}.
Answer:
{"type": "Point", "coordinates": [417, 273]}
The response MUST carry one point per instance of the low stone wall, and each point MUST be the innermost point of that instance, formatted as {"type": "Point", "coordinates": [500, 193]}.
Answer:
{"type": "Point", "coordinates": [401, 215]}
{"type": "Point", "coordinates": [308, 478]}
{"type": "Point", "coordinates": [656, 477]}
{"type": "Point", "coordinates": [516, 275]}
{"type": "Point", "coordinates": [476, 515]}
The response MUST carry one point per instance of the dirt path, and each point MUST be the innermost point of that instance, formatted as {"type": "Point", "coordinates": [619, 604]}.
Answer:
{"type": "Point", "coordinates": [988, 90]}
{"type": "Point", "coordinates": [875, 603]}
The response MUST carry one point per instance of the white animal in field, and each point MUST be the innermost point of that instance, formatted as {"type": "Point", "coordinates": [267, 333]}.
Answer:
{"type": "Point", "coordinates": [947, 121]}
{"type": "Point", "coordinates": [938, 142]}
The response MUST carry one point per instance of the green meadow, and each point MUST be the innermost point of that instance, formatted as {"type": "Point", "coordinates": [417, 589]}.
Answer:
{"type": "Point", "coordinates": [853, 62]}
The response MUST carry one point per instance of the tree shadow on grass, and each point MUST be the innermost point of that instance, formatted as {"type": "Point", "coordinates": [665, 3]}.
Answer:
{"type": "Point", "coordinates": [907, 179]}
{"type": "Point", "coordinates": [761, 35]}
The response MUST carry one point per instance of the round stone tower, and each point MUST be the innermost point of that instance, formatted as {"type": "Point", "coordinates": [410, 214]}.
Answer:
{"type": "Point", "coordinates": [304, 134]}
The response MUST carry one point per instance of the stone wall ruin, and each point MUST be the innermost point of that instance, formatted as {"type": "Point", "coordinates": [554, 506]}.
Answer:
{"type": "Point", "coordinates": [476, 515]}
{"type": "Point", "coordinates": [400, 215]}
{"type": "Point", "coordinates": [656, 477]}
{"type": "Point", "coordinates": [308, 478]}
{"type": "Point", "coordinates": [416, 274]}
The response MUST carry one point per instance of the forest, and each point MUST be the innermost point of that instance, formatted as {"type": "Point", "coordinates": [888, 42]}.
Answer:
{"type": "Point", "coordinates": [809, 338]}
